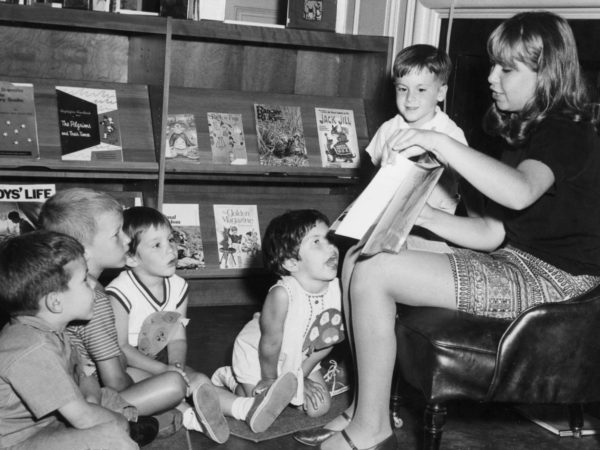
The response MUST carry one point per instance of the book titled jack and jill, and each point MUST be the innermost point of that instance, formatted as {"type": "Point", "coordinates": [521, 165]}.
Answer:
{"type": "Point", "coordinates": [88, 123]}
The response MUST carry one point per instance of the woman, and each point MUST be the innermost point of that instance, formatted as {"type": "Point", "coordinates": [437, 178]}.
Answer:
{"type": "Point", "coordinates": [542, 243]}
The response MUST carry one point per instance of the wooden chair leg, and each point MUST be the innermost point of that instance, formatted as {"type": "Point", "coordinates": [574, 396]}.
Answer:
{"type": "Point", "coordinates": [576, 419]}
{"type": "Point", "coordinates": [435, 418]}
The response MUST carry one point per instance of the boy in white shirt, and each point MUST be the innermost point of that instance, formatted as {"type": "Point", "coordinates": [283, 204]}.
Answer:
{"type": "Point", "coordinates": [421, 75]}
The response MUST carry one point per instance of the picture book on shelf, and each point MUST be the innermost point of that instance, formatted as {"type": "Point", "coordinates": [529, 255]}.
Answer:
{"type": "Point", "coordinates": [312, 14]}
{"type": "Point", "coordinates": [280, 135]}
{"type": "Point", "coordinates": [185, 220]}
{"type": "Point", "coordinates": [18, 126]}
{"type": "Point", "coordinates": [238, 236]}
{"type": "Point", "coordinates": [20, 206]}
{"type": "Point", "coordinates": [384, 213]}
{"type": "Point", "coordinates": [227, 138]}
{"type": "Point", "coordinates": [88, 122]}
{"type": "Point", "coordinates": [182, 139]}
{"type": "Point", "coordinates": [337, 137]}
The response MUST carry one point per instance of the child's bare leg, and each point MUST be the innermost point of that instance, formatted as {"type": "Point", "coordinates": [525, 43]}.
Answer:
{"type": "Point", "coordinates": [414, 278]}
{"type": "Point", "coordinates": [156, 394]}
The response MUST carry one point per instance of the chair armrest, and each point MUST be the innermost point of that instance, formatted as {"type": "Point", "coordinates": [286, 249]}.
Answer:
{"type": "Point", "coordinates": [551, 353]}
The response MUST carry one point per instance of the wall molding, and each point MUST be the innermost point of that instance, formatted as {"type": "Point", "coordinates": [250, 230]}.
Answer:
{"type": "Point", "coordinates": [423, 17]}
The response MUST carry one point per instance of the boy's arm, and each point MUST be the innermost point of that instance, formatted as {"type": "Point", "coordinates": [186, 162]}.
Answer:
{"type": "Point", "coordinates": [81, 414]}
{"type": "Point", "coordinates": [135, 358]}
{"type": "Point", "coordinates": [272, 320]}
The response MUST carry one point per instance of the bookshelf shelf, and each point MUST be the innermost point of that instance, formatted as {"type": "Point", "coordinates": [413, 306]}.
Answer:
{"type": "Point", "coordinates": [161, 66]}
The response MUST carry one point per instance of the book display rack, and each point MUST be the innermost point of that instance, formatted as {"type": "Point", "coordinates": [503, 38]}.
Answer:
{"type": "Point", "coordinates": [164, 67]}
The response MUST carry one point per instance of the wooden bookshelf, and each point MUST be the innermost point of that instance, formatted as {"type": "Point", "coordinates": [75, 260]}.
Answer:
{"type": "Point", "coordinates": [161, 66]}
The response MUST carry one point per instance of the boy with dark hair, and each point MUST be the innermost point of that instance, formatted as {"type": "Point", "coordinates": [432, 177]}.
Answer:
{"type": "Point", "coordinates": [44, 287]}
{"type": "Point", "coordinates": [421, 75]}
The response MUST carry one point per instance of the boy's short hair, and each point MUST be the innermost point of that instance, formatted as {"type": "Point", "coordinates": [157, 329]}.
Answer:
{"type": "Point", "coordinates": [284, 235]}
{"type": "Point", "coordinates": [138, 219]}
{"type": "Point", "coordinates": [32, 266]}
{"type": "Point", "coordinates": [75, 212]}
{"type": "Point", "coordinates": [423, 56]}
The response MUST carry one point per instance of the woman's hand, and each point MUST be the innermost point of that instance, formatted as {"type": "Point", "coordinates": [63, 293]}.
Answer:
{"type": "Point", "coordinates": [412, 142]}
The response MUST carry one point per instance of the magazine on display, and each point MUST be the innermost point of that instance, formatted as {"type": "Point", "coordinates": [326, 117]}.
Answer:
{"type": "Point", "coordinates": [337, 138]}
{"type": "Point", "coordinates": [182, 139]}
{"type": "Point", "coordinates": [238, 236]}
{"type": "Point", "coordinates": [18, 126]}
{"type": "Point", "coordinates": [185, 220]}
{"type": "Point", "coordinates": [227, 141]}
{"type": "Point", "coordinates": [88, 122]}
{"type": "Point", "coordinates": [280, 136]}
{"type": "Point", "coordinates": [20, 206]}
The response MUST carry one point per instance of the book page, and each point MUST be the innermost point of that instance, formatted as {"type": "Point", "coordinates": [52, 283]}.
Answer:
{"type": "Point", "coordinates": [391, 229]}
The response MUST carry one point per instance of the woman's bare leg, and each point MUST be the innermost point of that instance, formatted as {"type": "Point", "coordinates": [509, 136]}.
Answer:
{"type": "Point", "coordinates": [412, 278]}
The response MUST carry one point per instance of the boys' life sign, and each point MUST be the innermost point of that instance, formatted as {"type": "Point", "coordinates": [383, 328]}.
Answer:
{"type": "Point", "coordinates": [26, 192]}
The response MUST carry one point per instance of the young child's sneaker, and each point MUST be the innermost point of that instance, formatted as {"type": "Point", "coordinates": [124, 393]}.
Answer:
{"type": "Point", "coordinates": [270, 403]}
{"type": "Point", "coordinates": [210, 416]}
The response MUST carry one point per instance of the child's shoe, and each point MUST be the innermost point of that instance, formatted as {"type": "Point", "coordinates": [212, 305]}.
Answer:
{"type": "Point", "coordinates": [270, 403]}
{"type": "Point", "coordinates": [210, 416]}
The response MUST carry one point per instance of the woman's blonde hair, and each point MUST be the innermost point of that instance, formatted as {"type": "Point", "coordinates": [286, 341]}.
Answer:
{"type": "Point", "coordinates": [544, 42]}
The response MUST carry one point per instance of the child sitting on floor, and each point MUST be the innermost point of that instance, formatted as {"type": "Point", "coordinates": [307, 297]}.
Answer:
{"type": "Point", "coordinates": [150, 303]}
{"type": "Point", "coordinates": [96, 220]}
{"type": "Point", "coordinates": [44, 287]}
{"type": "Point", "coordinates": [301, 318]}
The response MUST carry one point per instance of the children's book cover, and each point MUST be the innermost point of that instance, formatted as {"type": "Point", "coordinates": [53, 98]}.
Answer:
{"type": "Point", "coordinates": [312, 14]}
{"type": "Point", "coordinates": [280, 136]}
{"type": "Point", "coordinates": [227, 138]}
{"type": "Point", "coordinates": [238, 236]}
{"type": "Point", "coordinates": [20, 206]}
{"type": "Point", "coordinates": [185, 220]}
{"type": "Point", "coordinates": [337, 137]}
{"type": "Point", "coordinates": [18, 127]}
{"type": "Point", "coordinates": [88, 122]}
{"type": "Point", "coordinates": [182, 139]}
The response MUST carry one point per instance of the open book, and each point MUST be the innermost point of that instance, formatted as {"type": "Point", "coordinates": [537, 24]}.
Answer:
{"type": "Point", "coordinates": [384, 213]}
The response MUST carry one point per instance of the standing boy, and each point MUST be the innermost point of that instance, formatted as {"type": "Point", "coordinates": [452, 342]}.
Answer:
{"type": "Point", "coordinates": [44, 287]}
{"type": "Point", "coordinates": [421, 75]}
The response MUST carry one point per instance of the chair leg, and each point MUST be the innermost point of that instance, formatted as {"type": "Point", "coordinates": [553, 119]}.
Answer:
{"type": "Point", "coordinates": [576, 419]}
{"type": "Point", "coordinates": [435, 418]}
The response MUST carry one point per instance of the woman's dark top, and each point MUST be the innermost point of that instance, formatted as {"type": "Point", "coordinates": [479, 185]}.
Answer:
{"type": "Point", "coordinates": [563, 226]}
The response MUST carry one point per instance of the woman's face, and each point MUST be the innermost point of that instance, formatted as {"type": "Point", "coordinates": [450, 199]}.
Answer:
{"type": "Point", "coordinates": [512, 87]}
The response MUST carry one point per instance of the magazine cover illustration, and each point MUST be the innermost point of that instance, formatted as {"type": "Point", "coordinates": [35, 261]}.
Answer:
{"type": "Point", "coordinates": [18, 127]}
{"type": "Point", "coordinates": [227, 138]}
{"type": "Point", "coordinates": [20, 205]}
{"type": "Point", "coordinates": [182, 139]}
{"type": "Point", "coordinates": [280, 136]}
{"type": "Point", "coordinates": [88, 122]}
{"type": "Point", "coordinates": [337, 137]}
{"type": "Point", "coordinates": [238, 236]}
{"type": "Point", "coordinates": [185, 220]}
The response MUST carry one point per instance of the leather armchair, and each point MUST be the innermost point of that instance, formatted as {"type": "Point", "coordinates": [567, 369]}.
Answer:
{"type": "Point", "coordinates": [548, 354]}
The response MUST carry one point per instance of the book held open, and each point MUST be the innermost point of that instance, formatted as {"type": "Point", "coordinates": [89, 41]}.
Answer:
{"type": "Point", "coordinates": [384, 213]}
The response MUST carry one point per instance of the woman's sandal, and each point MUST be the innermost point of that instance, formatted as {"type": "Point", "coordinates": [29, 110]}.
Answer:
{"type": "Point", "coordinates": [314, 436]}
{"type": "Point", "coordinates": [389, 443]}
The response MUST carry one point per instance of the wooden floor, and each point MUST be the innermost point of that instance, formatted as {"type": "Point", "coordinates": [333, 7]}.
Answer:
{"type": "Point", "coordinates": [469, 426]}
